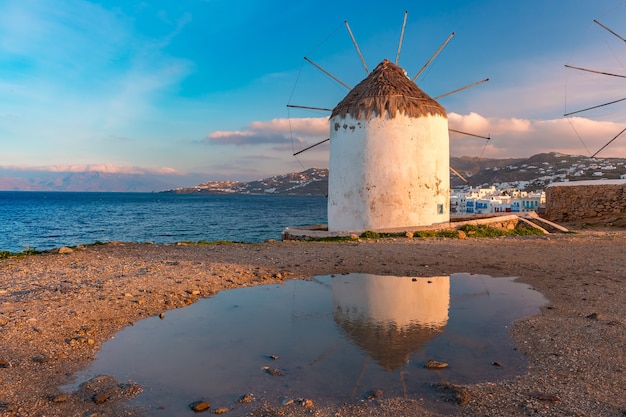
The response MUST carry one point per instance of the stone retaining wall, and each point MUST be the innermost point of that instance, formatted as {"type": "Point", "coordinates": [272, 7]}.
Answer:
{"type": "Point", "coordinates": [566, 202]}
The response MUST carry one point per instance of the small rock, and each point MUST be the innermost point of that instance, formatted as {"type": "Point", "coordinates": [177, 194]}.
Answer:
{"type": "Point", "coordinates": [221, 410]}
{"type": "Point", "coordinates": [161, 316]}
{"type": "Point", "coordinates": [101, 397]}
{"type": "Point", "coordinates": [61, 398]}
{"type": "Point", "coordinates": [200, 406]}
{"type": "Point", "coordinates": [4, 364]}
{"type": "Point", "coordinates": [354, 236]}
{"type": "Point", "coordinates": [435, 365]}
{"type": "Point", "coordinates": [287, 401]}
{"type": "Point", "coordinates": [593, 316]}
{"type": "Point", "coordinates": [65, 250]}
{"type": "Point", "coordinates": [462, 234]}
{"type": "Point", "coordinates": [409, 235]}
{"type": "Point", "coordinates": [246, 398]}
{"type": "Point", "coordinates": [498, 364]}
{"type": "Point", "coordinates": [306, 403]}
{"type": "Point", "coordinates": [275, 357]}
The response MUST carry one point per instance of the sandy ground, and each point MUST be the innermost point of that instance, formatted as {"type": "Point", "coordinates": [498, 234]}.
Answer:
{"type": "Point", "coordinates": [57, 309]}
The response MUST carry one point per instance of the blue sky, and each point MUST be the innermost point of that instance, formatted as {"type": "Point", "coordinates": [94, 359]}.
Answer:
{"type": "Point", "coordinates": [199, 88]}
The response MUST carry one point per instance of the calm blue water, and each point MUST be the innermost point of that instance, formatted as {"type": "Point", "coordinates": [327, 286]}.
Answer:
{"type": "Point", "coordinates": [47, 220]}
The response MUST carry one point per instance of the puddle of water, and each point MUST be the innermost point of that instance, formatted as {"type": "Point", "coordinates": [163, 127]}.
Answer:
{"type": "Point", "coordinates": [336, 338]}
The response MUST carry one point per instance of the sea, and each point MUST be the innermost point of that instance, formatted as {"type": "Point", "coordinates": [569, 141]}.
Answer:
{"type": "Point", "coordinates": [34, 220]}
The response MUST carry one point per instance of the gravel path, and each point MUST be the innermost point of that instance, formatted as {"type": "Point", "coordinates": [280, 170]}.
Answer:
{"type": "Point", "coordinates": [57, 309]}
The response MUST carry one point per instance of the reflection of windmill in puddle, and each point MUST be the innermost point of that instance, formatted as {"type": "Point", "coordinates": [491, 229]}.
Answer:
{"type": "Point", "coordinates": [603, 74]}
{"type": "Point", "coordinates": [389, 151]}
{"type": "Point", "coordinates": [391, 317]}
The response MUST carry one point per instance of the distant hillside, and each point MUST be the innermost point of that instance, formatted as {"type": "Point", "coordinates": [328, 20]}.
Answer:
{"type": "Point", "coordinates": [531, 174]}
{"type": "Point", "coordinates": [538, 171]}
{"type": "Point", "coordinates": [313, 181]}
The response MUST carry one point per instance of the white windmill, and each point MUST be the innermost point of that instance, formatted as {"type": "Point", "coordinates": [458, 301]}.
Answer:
{"type": "Point", "coordinates": [389, 151]}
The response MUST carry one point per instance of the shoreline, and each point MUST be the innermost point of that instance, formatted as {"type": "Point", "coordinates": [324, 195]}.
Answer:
{"type": "Point", "coordinates": [57, 309]}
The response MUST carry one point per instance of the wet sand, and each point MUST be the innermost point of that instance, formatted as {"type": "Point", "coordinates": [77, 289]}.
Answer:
{"type": "Point", "coordinates": [57, 309]}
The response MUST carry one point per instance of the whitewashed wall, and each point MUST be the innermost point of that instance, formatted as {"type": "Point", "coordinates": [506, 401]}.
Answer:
{"type": "Point", "coordinates": [388, 173]}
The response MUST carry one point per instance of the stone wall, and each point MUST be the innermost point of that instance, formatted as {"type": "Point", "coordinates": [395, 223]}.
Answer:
{"type": "Point", "coordinates": [572, 201]}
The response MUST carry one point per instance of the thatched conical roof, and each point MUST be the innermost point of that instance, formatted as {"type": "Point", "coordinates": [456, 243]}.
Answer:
{"type": "Point", "coordinates": [387, 89]}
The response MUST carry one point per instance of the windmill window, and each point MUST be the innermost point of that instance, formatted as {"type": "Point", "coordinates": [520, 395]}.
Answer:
{"type": "Point", "coordinates": [440, 208]}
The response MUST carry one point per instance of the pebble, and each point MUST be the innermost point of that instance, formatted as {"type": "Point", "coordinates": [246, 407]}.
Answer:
{"type": "Point", "coordinates": [435, 365]}
{"type": "Point", "coordinates": [221, 410]}
{"type": "Point", "coordinates": [246, 398]}
{"type": "Point", "coordinates": [306, 403]}
{"type": "Point", "coordinates": [200, 406]}
{"type": "Point", "coordinates": [101, 397]}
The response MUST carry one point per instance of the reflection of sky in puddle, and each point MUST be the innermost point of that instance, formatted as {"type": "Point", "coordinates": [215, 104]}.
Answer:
{"type": "Point", "coordinates": [337, 338]}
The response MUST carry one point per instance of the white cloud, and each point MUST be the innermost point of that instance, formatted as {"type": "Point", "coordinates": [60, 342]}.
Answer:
{"type": "Point", "coordinates": [275, 131]}
{"type": "Point", "coordinates": [514, 137]}
{"type": "Point", "coordinates": [305, 126]}
{"type": "Point", "coordinates": [102, 168]}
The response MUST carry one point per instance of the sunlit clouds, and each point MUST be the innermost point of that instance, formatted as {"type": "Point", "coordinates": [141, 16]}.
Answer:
{"type": "Point", "coordinates": [275, 131]}
{"type": "Point", "coordinates": [202, 87]}
{"type": "Point", "coordinates": [99, 168]}
{"type": "Point", "coordinates": [515, 138]}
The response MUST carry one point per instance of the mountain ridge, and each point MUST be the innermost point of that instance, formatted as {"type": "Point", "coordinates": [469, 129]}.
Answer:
{"type": "Point", "coordinates": [531, 174]}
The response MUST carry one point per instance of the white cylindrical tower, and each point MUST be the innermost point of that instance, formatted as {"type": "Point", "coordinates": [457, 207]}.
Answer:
{"type": "Point", "coordinates": [389, 156]}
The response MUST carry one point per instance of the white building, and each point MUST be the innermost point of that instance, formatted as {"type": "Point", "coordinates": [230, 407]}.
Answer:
{"type": "Point", "coordinates": [389, 156]}
{"type": "Point", "coordinates": [491, 200]}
